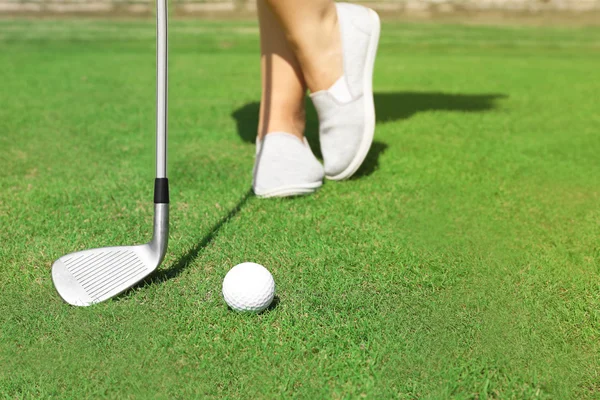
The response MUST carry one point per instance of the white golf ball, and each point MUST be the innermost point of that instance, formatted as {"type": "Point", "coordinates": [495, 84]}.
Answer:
{"type": "Point", "coordinates": [248, 287]}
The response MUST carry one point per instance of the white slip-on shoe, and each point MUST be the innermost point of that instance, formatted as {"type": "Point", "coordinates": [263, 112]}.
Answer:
{"type": "Point", "coordinates": [285, 166]}
{"type": "Point", "coordinates": [346, 127]}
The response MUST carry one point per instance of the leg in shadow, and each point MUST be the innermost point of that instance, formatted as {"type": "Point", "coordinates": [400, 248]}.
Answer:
{"type": "Point", "coordinates": [371, 163]}
{"type": "Point", "coordinates": [389, 106]}
{"type": "Point", "coordinates": [394, 106]}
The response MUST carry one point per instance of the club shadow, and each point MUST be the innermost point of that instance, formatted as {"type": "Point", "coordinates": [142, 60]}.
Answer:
{"type": "Point", "coordinates": [390, 107]}
{"type": "Point", "coordinates": [186, 259]}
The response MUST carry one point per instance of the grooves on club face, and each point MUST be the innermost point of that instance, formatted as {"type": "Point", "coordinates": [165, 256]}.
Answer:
{"type": "Point", "coordinates": [91, 276]}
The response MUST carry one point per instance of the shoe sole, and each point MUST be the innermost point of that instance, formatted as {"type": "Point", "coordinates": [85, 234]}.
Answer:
{"type": "Point", "coordinates": [289, 191]}
{"type": "Point", "coordinates": [369, 105]}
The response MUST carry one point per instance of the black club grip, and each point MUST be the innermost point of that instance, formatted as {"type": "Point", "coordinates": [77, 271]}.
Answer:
{"type": "Point", "coordinates": [161, 191]}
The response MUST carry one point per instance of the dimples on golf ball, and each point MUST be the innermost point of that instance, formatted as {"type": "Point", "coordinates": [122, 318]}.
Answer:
{"type": "Point", "coordinates": [248, 287]}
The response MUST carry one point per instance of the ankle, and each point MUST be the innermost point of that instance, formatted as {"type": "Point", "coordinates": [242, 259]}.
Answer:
{"type": "Point", "coordinates": [299, 135]}
{"type": "Point", "coordinates": [281, 114]}
{"type": "Point", "coordinates": [318, 47]}
{"type": "Point", "coordinates": [293, 126]}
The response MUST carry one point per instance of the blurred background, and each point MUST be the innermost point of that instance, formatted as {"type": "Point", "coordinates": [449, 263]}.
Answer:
{"type": "Point", "coordinates": [411, 8]}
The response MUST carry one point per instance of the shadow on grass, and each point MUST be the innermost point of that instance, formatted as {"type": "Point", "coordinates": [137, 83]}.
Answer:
{"type": "Point", "coordinates": [390, 107]}
{"type": "Point", "coordinates": [180, 264]}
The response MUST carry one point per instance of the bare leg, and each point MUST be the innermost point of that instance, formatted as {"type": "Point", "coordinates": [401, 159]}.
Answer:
{"type": "Point", "coordinates": [301, 47]}
{"type": "Point", "coordinates": [311, 28]}
{"type": "Point", "coordinates": [283, 85]}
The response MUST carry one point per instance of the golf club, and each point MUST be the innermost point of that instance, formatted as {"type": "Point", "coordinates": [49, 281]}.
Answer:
{"type": "Point", "coordinates": [87, 277]}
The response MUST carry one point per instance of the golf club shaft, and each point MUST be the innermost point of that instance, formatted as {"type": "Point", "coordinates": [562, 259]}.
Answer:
{"type": "Point", "coordinates": [160, 236]}
{"type": "Point", "coordinates": [161, 88]}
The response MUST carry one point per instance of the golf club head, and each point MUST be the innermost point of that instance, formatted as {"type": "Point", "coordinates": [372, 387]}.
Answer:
{"type": "Point", "coordinates": [91, 276]}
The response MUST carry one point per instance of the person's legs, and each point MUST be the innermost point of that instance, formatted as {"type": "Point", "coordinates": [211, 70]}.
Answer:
{"type": "Point", "coordinates": [284, 164]}
{"type": "Point", "coordinates": [329, 48]}
{"type": "Point", "coordinates": [336, 45]}
{"type": "Point", "coordinates": [311, 28]}
{"type": "Point", "coordinates": [283, 86]}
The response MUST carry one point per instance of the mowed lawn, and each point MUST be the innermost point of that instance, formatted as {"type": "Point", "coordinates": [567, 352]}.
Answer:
{"type": "Point", "coordinates": [463, 260]}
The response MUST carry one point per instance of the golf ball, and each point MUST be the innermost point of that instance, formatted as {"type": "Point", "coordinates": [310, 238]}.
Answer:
{"type": "Point", "coordinates": [248, 287]}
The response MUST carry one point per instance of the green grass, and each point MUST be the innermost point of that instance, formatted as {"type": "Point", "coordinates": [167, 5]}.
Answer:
{"type": "Point", "coordinates": [462, 262]}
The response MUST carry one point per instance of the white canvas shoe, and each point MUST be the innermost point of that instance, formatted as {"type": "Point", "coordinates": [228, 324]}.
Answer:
{"type": "Point", "coordinates": [347, 126]}
{"type": "Point", "coordinates": [285, 166]}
